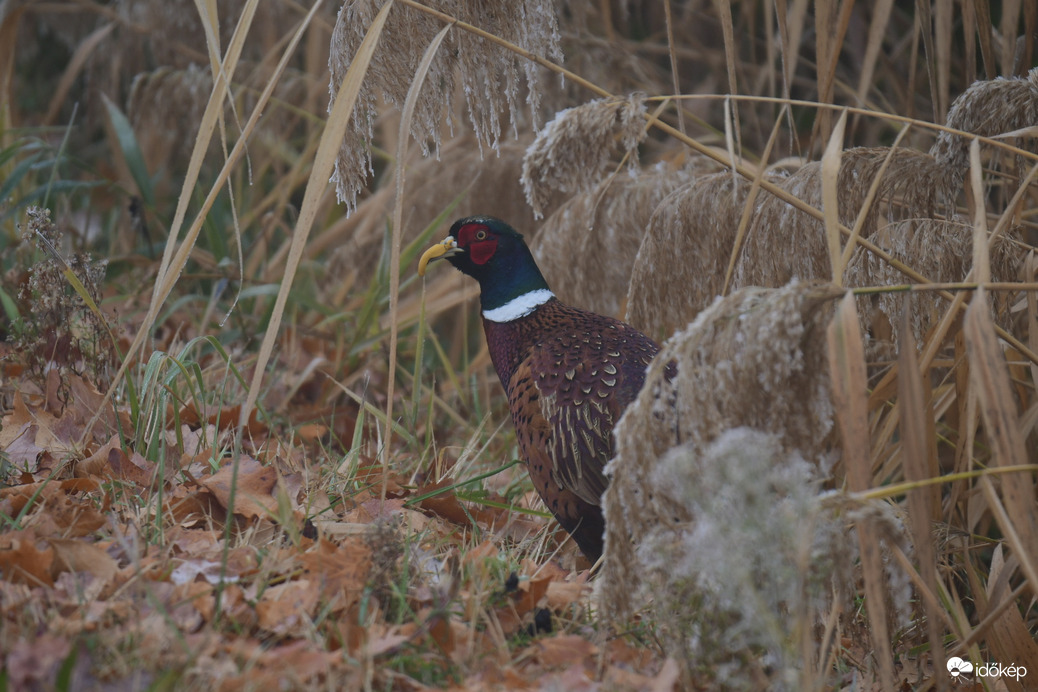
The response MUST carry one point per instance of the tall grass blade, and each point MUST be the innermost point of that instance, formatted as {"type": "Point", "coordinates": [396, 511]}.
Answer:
{"type": "Point", "coordinates": [212, 115]}
{"type": "Point", "coordinates": [989, 375]}
{"type": "Point", "coordinates": [1008, 636]}
{"type": "Point", "coordinates": [131, 151]}
{"type": "Point", "coordinates": [847, 370]}
{"type": "Point", "coordinates": [877, 32]}
{"type": "Point", "coordinates": [8, 44]}
{"type": "Point", "coordinates": [919, 460]}
{"type": "Point", "coordinates": [169, 269]}
{"type": "Point", "coordinates": [981, 253]}
{"type": "Point", "coordinates": [397, 230]}
{"type": "Point", "coordinates": [830, 199]}
{"type": "Point", "coordinates": [84, 51]}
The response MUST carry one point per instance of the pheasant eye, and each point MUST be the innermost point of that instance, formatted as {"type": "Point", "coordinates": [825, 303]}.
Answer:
{"type": "Point", "coordinates": [481, 235]}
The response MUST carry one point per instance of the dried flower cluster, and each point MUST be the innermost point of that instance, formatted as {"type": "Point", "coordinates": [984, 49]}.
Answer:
{"type": "Point", "coordinates": [758, 562]}
{"type": "Point", "coordinates": [688, 240]}
{"type": "Point", "coordinates": [60, 332]}
{"type": "Point", "coordinates": [988, 108]}
{"type": "Point", "coordinates": [165, 107]}
{"type": "Point", "coordinates": [941, 250]}
{"type": "Point", "coordinates": [784, 242]}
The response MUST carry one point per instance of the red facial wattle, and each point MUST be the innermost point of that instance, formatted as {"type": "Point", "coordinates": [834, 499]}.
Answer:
{"type": "Point", "coordinates": [480, 250]}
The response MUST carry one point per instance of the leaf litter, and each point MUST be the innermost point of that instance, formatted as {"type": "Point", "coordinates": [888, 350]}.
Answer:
{"type": "Point", "coordinates": [247, 571]}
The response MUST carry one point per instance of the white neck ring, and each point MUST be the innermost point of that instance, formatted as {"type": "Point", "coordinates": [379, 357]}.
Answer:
{"type": "Point", "coordinates": [520, 306]}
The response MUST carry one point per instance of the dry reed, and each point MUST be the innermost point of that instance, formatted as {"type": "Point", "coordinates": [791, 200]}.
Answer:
{"type": "Point", "coordinates": [679, 269]}
{"type": "Point", "coordinates": [751, 373]}
{"type": "Point", "coordinates": [784, 243]}
{"type": "Point", "coordinates": [587, 248]}
{"type": "Point", "coordinates": [487, 75]}
{"type": "Point", "coordinates": [574, 151]}
{"type": "Point", "coordinates": [750, 419]}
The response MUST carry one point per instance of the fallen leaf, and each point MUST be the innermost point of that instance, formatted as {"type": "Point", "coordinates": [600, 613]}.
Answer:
{"type": "Point", "coordinates": [311, 432]}
{"type": "Point", "coordinates": [210, 570]}
{"type": "Point", "coordinates": [24, 559]}
{"type": "Point", "coordinates": [564, 649]}
{"type": "Point", "coordinates": [287, 609]}
{"type": "Point", "coordinates": [563, 594]}
{"type": "Point", "coordinates": [18, 440]}
{"type": "Point", "coordinates": [72, 504]}
{"type": "Point", "coordinates": [376, 646]}
{"type": "Point", "coordinates": [339, 570]}
{"type": "Point", "coordinates": [80, 556]}
{"type": "Point", "coordinates": [33, 664]}
{"type": "Point", "coordinates": [531, 591]}
{"type": "Point", "coordinates": [89, 402]}
{"type": "Point", "coordinates": [223, 419]}
{"type": "Point", "coordinates": [255, 482]}
{"type": "Point", "coordinates": [444, 504]}
{"type": "Point", "coordinates": [191, 508]}
{"type": "Point", "coordinates": [576, 678]}
{"type": "Point", "coordinates": [297, 662]}
{"type": "Point", "coordinates": [111, 461]}
{"type": "Point", "coordinates": [441, 632]}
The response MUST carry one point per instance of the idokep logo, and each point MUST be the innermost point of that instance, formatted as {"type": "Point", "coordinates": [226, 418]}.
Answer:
{"type": "Point", "coordinates": [958, 667]}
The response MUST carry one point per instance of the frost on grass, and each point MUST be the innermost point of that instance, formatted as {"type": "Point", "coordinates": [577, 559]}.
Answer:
{"type": "Point", "coordinates": [575, 150]}
{"type": "Point", "coordinates": [488, 76]}
{"type": "Point", "coordinates": [753, 568]}
{"type": "Point", "coordinates": [755, 359]}
{"type": "Point", "coordinates": [586, 249]}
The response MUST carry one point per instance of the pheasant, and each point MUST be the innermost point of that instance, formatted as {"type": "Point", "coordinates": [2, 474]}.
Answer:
{"type": "Point", "coordinates": [568, 373]}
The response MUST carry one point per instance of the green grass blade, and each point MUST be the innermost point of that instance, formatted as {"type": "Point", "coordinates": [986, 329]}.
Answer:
{"type": "Point", "coordinates": [131, 151]}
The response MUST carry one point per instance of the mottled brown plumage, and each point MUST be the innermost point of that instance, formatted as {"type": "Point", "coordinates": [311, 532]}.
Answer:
{"type": "Point", "coordinates": [568, 373]}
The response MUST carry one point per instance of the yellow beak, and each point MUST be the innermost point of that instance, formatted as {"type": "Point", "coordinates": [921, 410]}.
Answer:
{"type": "Point", "coordinates": [445, 249]}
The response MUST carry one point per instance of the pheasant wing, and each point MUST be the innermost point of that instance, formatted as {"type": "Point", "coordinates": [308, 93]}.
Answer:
{"type": "Point", "coordinates": [585, 379]}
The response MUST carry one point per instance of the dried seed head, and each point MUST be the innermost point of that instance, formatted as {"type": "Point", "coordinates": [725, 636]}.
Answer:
{"type": "Point", "coordinates": [939, 249]}
{"type": "Point", "coordinates": [785, 243]}
{"type": "Point", "coordinates": [751, 372]}
{"type": "Point", "coordinates": [681, 265]}
{"type": "Point", "coordinates": [58, 330]}
{"type": "Point", "coordinates": [575, 150]}
{"type": "Point", "coordinates": [489, 76]}
{"type": "Point", "coordinates": [586, 249]}
{"type": "Point", "coordinates": [165, 107]}
{"type": "Point", "coordinates": [988, 108]}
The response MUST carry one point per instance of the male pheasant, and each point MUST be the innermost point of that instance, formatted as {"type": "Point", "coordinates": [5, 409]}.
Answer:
{"type": "Point", "coordinates": [568, 373]}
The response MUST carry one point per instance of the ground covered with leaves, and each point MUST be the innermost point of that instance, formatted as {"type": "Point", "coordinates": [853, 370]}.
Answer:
{"type": "Point", "coordinates": [276, 565]}
{"type": "Point", "coordinates": [152, 541]}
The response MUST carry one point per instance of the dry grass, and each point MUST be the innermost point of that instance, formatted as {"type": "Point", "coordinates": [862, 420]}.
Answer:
{"type": "Point", "coordinates": [588, 247]}
{"type": "Point", "coordinates": [783, 242]}
{"type": "Point", "coordinates": [745, 426]}
{"type": "Point", "coordinates": [690, 236]}
{"type": "Point", "coordinates": [261, 324]}
{"type": "Point", "coordinates": [488, 76]}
